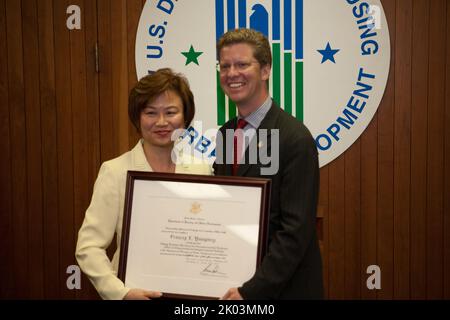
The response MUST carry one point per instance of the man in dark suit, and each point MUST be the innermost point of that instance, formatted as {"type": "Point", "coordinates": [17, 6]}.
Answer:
{"type": "Point", "coordinates": [292, 266]}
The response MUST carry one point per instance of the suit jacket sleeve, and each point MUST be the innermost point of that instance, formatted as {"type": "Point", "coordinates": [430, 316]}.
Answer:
{"type": "Point", "coordinates": [96, 234]}
{"type": "Point", "coordinates": [298, 192]}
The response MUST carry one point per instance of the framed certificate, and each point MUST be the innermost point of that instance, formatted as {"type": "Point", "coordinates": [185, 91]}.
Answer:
{"type": "Point", "coordinates": [192, 236]}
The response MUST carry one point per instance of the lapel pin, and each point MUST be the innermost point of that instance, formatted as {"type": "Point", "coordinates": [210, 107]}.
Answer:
{"type": "Point", "coordinates": [260, 144]}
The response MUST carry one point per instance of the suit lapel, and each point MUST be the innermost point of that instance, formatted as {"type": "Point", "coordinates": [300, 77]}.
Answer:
{"type": "Point", "coordinates": [225, 169]}
{"type": "Point", "coordinates": [140, 162]}
{"type": "Point", "coordinates": [268, 123]}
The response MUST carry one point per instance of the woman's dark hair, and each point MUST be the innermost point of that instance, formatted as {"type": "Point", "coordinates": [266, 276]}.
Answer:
{"type": "Point", "coordinates": [152, 85]}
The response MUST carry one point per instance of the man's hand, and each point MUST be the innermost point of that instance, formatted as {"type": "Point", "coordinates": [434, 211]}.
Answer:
{"type": "Point", "coordinates": [140, 294]}
{"type": "Point", "coordinates": [232, 294]}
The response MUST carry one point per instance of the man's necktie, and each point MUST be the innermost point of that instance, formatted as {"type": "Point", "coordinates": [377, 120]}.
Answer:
{"type": "Point", "coordinates": [238, 143]}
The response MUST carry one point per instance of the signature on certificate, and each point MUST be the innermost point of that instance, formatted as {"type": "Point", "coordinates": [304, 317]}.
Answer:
{"type": "Point", "coordinates": [213, 269]}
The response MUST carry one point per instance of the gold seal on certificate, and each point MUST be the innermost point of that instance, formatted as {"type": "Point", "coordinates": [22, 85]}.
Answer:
{"type": "Point", "coordinates": [192, 236]}
{"type": "Point", "coordinates": [196, 207]}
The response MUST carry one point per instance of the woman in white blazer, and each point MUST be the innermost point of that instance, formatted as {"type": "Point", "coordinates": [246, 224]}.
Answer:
{"type": "Point", "coordinates": [159, 104]}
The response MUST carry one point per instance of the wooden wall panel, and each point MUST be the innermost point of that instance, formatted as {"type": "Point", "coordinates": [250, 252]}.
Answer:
{"type": "Point", "coordinates": [435, 150]}
{"type": "Point", "coordinates": [368, 222]}
{"type": "Point", "coordinates": [65, 140]}
{"type": "Point", "coordinates": [402, 148]}
{"type": "Point", "coordinates": [93, 126]}
{"type": "Point", "coordinates": [33, 131]}
{"type": "Point", "coordinates": [352, 219]}
{"type": "Point", "coordinates": [90, 22]}
{"type": "Point", "coordinates": [120, 71]}
{"type": "Point", "coordinates": [385, 201]}
{"type": "Point", "coordinates": [336, 231]}
{"type": "Point", "coordinates": [446, 283]}
{"type": "Point", "coordinates": [7, 287]}
{"type": "Point", "coordinates": [50, 111]}
{"type": "Point", "coordinates": [18, 149]}
{"type": "Point", "coordinates": [134, 9]}
{"type": "Point", "coordinates": [419, 103]}
{"type": "Point", "coordinates": [61, 84]}
{"type": "Point", "coordinates": [323, 208]}
{"type": "Point", "coordinates": [80, 115]}
{"type": "Point", "coordinates": [108, 122]}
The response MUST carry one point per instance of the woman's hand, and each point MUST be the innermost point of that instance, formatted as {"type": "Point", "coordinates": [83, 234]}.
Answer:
{"type": "Point", "coordinates": [232, 294]}
{"type": "Point", "coordinates": [140, 294]}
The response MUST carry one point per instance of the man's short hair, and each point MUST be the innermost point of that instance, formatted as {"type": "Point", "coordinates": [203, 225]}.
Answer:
{"type": "Point", "coordinates": [259, 43]}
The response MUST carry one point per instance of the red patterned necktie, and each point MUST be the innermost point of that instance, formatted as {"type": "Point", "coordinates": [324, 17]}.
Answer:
{"type": "Point", "coordinates": [238, 141]}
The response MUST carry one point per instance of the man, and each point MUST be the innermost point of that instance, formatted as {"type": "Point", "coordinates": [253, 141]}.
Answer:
{"type": "Point", "coordinates": [292, 266]}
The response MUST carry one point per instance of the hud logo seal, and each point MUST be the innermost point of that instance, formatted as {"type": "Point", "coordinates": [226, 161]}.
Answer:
{"type": "Point", "coordinates": [330, 60]}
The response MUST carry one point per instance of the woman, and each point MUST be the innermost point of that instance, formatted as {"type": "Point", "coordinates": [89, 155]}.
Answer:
{"type": "Point", "coordinates": [159, 104]}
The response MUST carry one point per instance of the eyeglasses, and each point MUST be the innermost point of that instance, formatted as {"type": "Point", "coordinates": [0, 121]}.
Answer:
{"type": "Point", "coordinates": [238, 66]}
